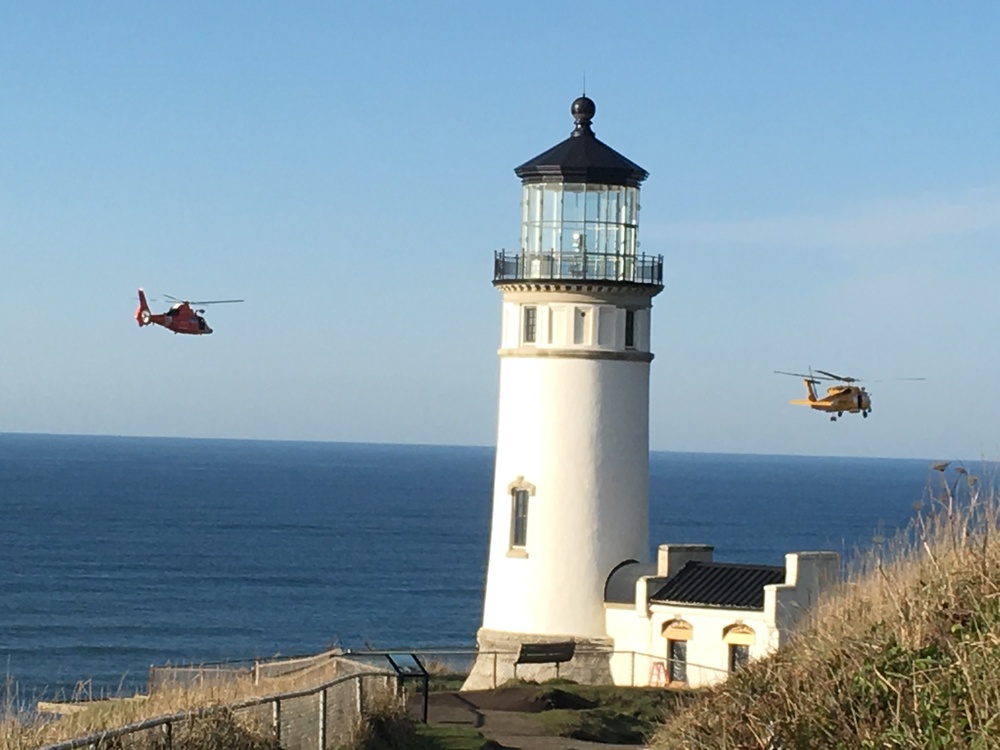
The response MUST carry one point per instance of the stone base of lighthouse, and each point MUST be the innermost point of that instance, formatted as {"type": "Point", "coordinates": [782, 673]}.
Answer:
{"type": "Point", "coordinates": [496, 662]}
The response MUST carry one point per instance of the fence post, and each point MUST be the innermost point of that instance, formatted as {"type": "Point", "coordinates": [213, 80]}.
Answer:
{"type": "Point", "coordinates": [168, 735]}
{"type": "Point", "coordinates": [276, 720]}
{"type": "Point", "coordinates": [427, 684]}
{"type": "Point", "coordinates": [361, 697]}
{"type": "Point", "coordinates": [322, 719]}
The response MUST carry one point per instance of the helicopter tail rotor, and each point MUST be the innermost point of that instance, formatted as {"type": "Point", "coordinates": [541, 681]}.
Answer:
{"type": "Point", "coordinates": [142, 314]}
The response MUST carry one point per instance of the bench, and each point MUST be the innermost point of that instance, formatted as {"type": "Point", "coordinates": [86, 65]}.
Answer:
{"type": "Point", "coordinates": [545, 653]}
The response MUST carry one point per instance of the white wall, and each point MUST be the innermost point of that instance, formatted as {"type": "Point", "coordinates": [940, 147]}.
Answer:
{"type": "Point", "coordinates": [707, 651]}
{"type": "Point", "coordinates": [808, 573]}
{"type": "Point", "coordinates": [576, 429]}
{"type": "Point", "coordinates": [575, 322]}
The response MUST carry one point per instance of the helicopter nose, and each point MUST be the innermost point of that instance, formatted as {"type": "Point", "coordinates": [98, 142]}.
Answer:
{"type": "Point", "coordinates": [207, 329]}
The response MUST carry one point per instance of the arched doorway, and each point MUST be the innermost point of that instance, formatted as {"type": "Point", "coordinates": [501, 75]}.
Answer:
{"type": "Point", "coordinates": [677, 633]}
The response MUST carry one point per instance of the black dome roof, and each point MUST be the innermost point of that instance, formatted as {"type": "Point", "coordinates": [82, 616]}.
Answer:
{"type": "Point", "coordinates": [581, 157]}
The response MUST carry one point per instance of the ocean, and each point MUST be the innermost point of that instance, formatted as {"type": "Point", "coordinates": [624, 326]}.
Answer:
{"type": "Point", "coordinates": [117, 553]}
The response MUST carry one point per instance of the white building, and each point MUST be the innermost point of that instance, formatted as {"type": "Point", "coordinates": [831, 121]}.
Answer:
{"type": "Point", "coordinates": [571, 484]}
{"type": "Point", "coordinates": [692, 621]}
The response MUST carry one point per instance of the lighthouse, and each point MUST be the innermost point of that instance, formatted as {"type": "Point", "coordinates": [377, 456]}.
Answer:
{"type": "Point", "coordinates": [571, 481]}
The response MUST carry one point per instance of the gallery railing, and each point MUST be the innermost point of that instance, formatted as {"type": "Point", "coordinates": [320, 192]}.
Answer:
{"type": "Point", "coordinates": [578, 266]}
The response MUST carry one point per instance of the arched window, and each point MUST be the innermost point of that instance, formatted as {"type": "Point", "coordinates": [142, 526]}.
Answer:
{"type": "Point", "coordinates": [519, 518]}
{"type": "Point", "coordinates": [739, 638]}
{"type": "Point", "coordinates": [520, 491]}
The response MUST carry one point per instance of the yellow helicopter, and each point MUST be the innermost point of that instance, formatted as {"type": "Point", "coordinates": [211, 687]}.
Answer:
{"type": "Point", "coordinates": [845, 396]}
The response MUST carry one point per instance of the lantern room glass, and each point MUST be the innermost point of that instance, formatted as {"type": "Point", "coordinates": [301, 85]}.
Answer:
{"type": "Point", "coordinates": [566, 218]}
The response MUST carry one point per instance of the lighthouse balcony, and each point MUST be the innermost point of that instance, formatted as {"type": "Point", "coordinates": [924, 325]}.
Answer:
{"type": "Point", "coordinates": [645, 270]}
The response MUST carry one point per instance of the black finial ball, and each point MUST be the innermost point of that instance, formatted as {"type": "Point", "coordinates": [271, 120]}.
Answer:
{"type": "Point", "coordinates": [583, 109]}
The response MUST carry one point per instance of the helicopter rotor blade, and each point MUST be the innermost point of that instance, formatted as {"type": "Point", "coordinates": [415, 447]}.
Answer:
{"type": "Point", "coordinates": [841, 378]}
{"type": "Point", "coordinates": [829, 374]}
{"type": "Point", "coordinates": [810, 377]}
{"type": "Point", "coordinates": [201, 302]}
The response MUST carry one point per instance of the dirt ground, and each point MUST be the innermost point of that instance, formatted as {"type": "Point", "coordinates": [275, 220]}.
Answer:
{"type": "Point", "coordinates": [505, 716]}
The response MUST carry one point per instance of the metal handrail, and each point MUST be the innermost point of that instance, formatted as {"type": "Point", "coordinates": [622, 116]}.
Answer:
{"type": "Point", "coordinates": [110, 734]}
{"type": "Point", "coordinates": [578, 266]}
{"type": "Point", "coordinates": [97, 738]}
{"type": "Point", "coordinates": [473, 651]}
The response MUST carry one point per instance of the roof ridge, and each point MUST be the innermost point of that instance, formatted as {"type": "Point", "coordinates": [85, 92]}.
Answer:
{"type": "Point", "coordinates": [730, 585]}
{"type": "Point", "coordinates": [748, 566]}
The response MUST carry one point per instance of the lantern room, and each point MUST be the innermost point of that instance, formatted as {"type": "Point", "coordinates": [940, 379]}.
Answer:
{"type": "Point", "coordinates": [580, 214]}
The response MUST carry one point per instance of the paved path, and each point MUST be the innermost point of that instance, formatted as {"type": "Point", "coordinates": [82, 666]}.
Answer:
{"type": "Point", "coordinates": [510, 729]}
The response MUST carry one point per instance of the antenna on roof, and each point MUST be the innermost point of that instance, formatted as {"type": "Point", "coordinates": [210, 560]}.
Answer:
{"type": "Point", "coordinates": [585, 83]}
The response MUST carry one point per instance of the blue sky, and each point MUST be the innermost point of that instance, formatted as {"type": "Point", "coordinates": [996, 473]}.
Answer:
{"type": "Point", "coordinates": [825, 190]}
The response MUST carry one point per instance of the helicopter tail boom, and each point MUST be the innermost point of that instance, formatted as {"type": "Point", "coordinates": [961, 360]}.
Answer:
{"type": "Point", "coordinates": [810, 392]}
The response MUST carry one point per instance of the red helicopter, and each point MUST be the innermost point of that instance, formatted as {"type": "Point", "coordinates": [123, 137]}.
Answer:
{"type": "Point", "coordinates": [180, 318]}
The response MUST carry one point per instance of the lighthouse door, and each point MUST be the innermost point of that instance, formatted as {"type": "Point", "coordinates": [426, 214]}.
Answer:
{"type": "Point", "coordinates": [677, 657]}
{"type": "Point", "coordinates": [677, 633]}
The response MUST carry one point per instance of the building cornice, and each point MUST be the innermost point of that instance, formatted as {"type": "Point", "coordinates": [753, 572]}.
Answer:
{"type": "Point", "coordinates": [601, 354]}
{"type": "Point", "coordinates": [622, 288]}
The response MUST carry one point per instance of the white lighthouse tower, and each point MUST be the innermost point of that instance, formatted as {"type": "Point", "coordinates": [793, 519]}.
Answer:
{"type": "Point", "coordinates": [571, 484]}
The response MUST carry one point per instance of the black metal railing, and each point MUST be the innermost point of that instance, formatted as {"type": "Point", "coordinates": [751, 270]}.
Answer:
{"type": "Point", "coordinates": [578, 266]}
{"type": "Point", "coordinates": [325, 716]}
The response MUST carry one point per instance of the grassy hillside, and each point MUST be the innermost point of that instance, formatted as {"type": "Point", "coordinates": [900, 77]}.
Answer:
{"type": "Point", "coordinates": [906, 654]}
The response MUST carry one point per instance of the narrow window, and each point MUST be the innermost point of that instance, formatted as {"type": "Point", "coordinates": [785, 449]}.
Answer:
{"type": "Point", "coordinates": [519, 519]}
{"type": "Point", "coordinates": [530, 324]}
{"type": "Point", "coordinates": [739, 656]}
{"type": "Point", "coordinates": [579, 326]}
{"type": "Point", "coordinates": [677, 657]}
{"type": "Point", "coordinates": [630, 329]}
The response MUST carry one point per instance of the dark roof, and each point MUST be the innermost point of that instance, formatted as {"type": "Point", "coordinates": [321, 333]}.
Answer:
{"type": "Point", "coordinates": [582, 158]}
{"type": "Point", "coordinates": [620, 586]}
{"type": "Point", "coordinates": [720, 585]}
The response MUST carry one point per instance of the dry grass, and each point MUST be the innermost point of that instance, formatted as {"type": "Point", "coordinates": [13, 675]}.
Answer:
{"type": "Point", "coordinates": [905, 654]}
{"type": "Point", "coordinates": [385, 726]}
{"type": "Point", "coordinates": [206, 717]}
{"type": "Point", "coordinates": [23, 730]}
